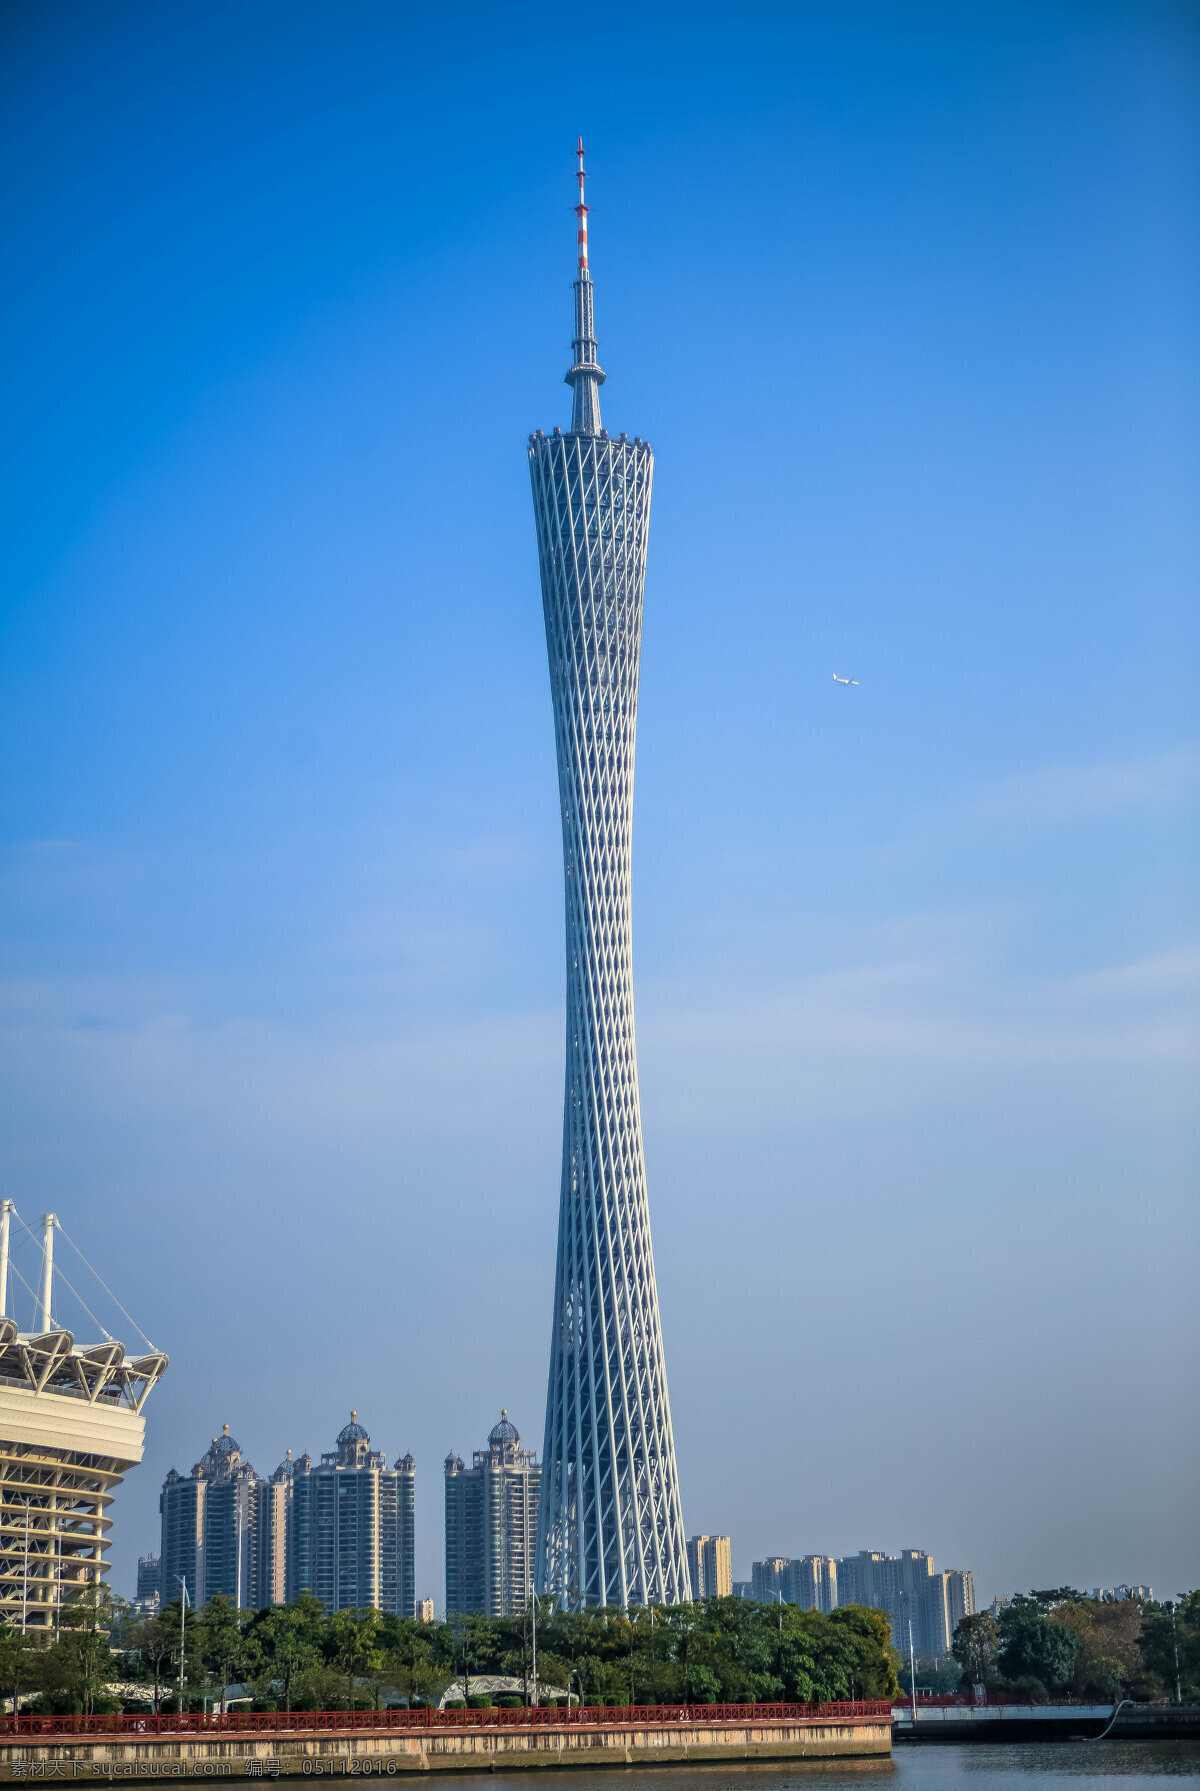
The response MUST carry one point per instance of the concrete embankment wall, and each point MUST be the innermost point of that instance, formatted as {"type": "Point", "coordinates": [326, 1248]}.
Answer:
{"type": "Point", "coordinates": [1047, 1722]}
{"type": "Point", "coordinates": [391, 1753]}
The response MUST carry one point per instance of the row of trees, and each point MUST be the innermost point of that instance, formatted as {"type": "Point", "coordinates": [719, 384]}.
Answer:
{"type": "Point", "coordinates": [298, 1657]}
{"type": "Point", "coordinates": [72, 1667]}
{"type": "Point", "coordinates": [1051, 1643]}
{"type": "Point", "coordinates": [1059, 1643]}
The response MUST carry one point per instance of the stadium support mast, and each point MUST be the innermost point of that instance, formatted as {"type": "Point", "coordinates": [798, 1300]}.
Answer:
{"type": "Point", "coordinates": [6, 1213]}
{"type": "Point", "coordinates": [43, 1318]}
{"type": "Point", "coordinates": [610, 1526]}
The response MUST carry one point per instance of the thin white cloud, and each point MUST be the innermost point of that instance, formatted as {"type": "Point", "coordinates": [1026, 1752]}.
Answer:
{"type": "Point", "coordinates": [907, 1032]}
{"type": "Point", "coordinates": [1078, 792]}
{"type": "Point", "coordinates": [111, 1049]}
{"type": "Point", "coordinates": [917, 1033]}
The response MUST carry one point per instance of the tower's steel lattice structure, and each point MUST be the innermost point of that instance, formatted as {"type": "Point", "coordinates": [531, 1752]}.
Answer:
{"type": "Point", "coordinates": [610, 1527]}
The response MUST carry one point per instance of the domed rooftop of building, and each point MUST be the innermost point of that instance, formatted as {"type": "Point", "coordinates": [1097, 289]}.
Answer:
{"type": "Point", "coordinates": [223, 1455]}
{"type": "Point", "coordinates": [504, 1432]}
{"type": "Point", "coordinates": [353, 1432]}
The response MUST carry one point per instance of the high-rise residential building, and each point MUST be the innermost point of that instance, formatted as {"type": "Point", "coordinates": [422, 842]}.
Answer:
{"type": "Point", "coordinates": [611, 1524]}
{"type": "Point", "coordinates": [230, 1524]}
{"type": "Point", "coordinates": [769, 1580]}
{"type": "Point", "coordinates": [912, 1592]}
{"type": "Point", "coordinates": [148, 1580]}
{"type": "Point", "coordinates": [348, 1536]}
{"type": "Point", "coordinates": [491, 1525]}
{"type": "Point", "coordinates": [912, 1595]}
{"type": "Point", "coordinates": [960, 1598]}
{"type": "Point", "coordinates": [425, 1610]}
{"type": "Point", "coordinates": [210, 1528]}
{"type": "Point", "coordinates": [351, 1540]}
{"type": "Point", "coordinates": [932, 1628]}
{"type": "Point", "coordinates": [147, 1599]}
{"type": "Point", "coordinates": [813, 1583]}
{"type": "Point", "coordinates": [710, 1565]}
{"type": "Point", "coordinates": [181, 1551]}
{"type": "Point", "coordinates": [71, 1427]}
{"type": "Point", "coordinates": [865, 1578]}
{"type": "Point", "coordinates": [274, 1519]}
{"type": "Point", "coordinates": [948, 1598]}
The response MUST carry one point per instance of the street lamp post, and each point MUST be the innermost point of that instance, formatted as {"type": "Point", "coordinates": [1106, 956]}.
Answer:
{"type": "Point", "coordinates": [912, 1676]}
{"type": "Point", "coordinates": [183, 1605]}
{"type": "Point", "coordinates": [533, 1613]}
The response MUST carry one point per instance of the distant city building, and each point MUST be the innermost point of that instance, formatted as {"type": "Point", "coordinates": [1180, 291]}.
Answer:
{"type": "Point", "coordinates": [769, 1580]}
{"type": "Point", "coordinates": [813, 1583]}
{"type": "Point", "coordinates": [912, 1592]}
{"type": "Point", "coordinates": [351, 1529]}
{"type": "Point", "coordinates": [147, 1576]}
{"type": "Point", "coordinates": [491, 1526]}
{"type": "Point", "coordinates": [861, 1578]}
{"type": "Point", "coordinates": [425, 1610]}
{"type": "Point", "coordinates": [710, 1563]}
{"type": "Point", "coordinates": [906, 1586]}
{"type": "Point", "coordinates": [896, 1584]}
{"type": "Point", "coordinates": [960, 1597]}
{"type": "Point", "coordinates": [71, 1427]}
{"type": "Point", "coordinates": [931, 1617]}
{"type": "Point", "coordinates": [147, 1601]}
{"type": "Point", "coordinates": [1145, 1594]}
{"type": "Point", "coordinates": [210, 1528]}
{"type": "Point", "coordinates": [917, 1597]}
{"type": "Point", "coordinates": [743, 1588]}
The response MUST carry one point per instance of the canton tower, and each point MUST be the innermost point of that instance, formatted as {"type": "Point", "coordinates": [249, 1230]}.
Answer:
{"type": "Point", "coordinates": [610, 1527]}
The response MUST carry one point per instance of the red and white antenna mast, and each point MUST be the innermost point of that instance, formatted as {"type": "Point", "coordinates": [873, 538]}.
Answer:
{"type": "Point", "coordinates": [581, 212]}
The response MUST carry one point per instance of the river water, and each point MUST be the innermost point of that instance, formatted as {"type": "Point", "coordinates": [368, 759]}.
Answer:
{"type": "Point", "coordinates": [1015, 1766]}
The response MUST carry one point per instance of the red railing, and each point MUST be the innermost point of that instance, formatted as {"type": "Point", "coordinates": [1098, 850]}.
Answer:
{"type": "Point", "coordinates": [325, 1722]}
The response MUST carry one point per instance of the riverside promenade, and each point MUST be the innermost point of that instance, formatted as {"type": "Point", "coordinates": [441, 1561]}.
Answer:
{"type": "Point", "coordinates": [388, 1743]}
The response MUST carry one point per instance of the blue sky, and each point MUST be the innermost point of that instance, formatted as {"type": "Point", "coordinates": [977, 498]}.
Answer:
{"type": "Point", "coordinates": [904, 298]}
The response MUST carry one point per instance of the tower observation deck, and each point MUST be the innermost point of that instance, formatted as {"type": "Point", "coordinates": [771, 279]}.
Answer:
{"type": "Point", "coordinates": [610, 1527]}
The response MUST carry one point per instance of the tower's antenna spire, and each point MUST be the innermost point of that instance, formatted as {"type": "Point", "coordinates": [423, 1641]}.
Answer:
{"type": "Point", "coordinates": [581, 210]}
{"type": "Point", "coordinates": [585, 377]}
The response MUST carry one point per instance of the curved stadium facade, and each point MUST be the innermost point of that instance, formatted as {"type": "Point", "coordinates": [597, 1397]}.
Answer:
{"type": "Point", "coordinates": [71, 1427]}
